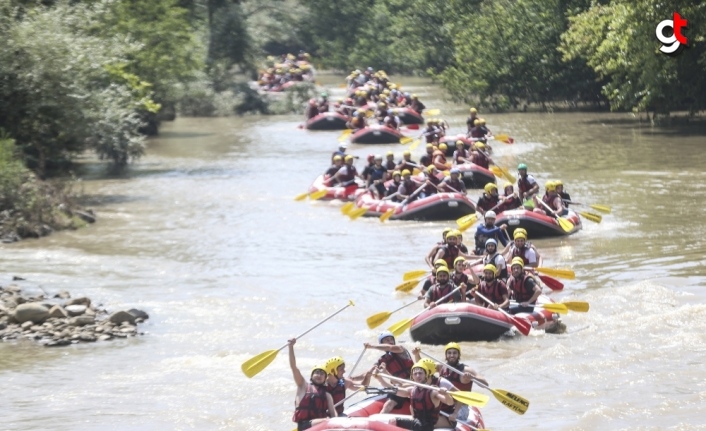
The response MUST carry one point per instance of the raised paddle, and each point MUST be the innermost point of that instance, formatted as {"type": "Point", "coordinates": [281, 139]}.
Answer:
{"type": "Point", "coordinates": [347, 207]}
{"type": "Point", "coordinates": [469, 398]}
{"type": "Point", "coordinates": [565, 224]}
{"type": "Point", "coordinates": [596, 218]}
{"type": "Point", "coordinates": [468, 424]}
{"type": "Point", "coordinates": [411, 275]}
{"type": "Point", "coordinates": [407, 286]}
{"type": "Point", "coordinates": [512, 401]}
{"type": "Point", "coordinates": [398, 328]}
{"type": "Point", "coordinates": [496, 171]}
{"type": "Point", "coordinates": [561, 273]}
{"type": "Point", "coordinates": [522, 325]}
{"type": "Point", "coordinates": [259, 362]}
{"type": "Point", "coordinates": [378, 319]}
{"type": "Point", "coordinates": [554, 307]}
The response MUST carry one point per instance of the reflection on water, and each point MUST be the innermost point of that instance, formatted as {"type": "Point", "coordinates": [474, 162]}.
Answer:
{"type": "Point", "coordinates": [204, 235]}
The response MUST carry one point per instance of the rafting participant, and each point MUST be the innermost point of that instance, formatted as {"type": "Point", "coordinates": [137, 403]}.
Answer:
{"type": "Point", "coordinates": [428, 157]}
{"type": "Point", "coordinates": [451, 249]}
{"type": "Point", "coordinates": [460, 278]}
{"type": "Point", "coordinates": [489, 199]}
{"type": "Point", "coordinates": [323, 104]}
{"type": "Point", "coordinates": [463, 382]}
{"type": "Point", "coordinates": [494, 257]}
{"type": "Point", "coordinates": [554, 206]}
{"type": "Point", "coordinates": [484, 129]}
{"type": "Point", "coordinates": [408, 187]}
{"type": "Point", "coordinates": [312, 404]}
{"type": "Point", "coordinates": [493, 289]}
{"type": "Point", "coordinates": [431, 279]}
{"type": "Point", "coordinates": [489, 230]}
{"type": "Point", "coordinates": [565, 197]}
{"type": "Point", "coordinates": [392, 121]}
{"type": "Point", "coordinates": [526, 184]}
{"type": "Point", "coordinates": [432, 183]}
{"type": "Point", "coordinates": [432, 133]}
{"type": "Point", "coordinates": [471, 120]}
{"type": "Point", "coordinates": [441, 288]}
{"type": "Point", "coordinates": [417, 105]}
{"type": "Point", "coordinates": [337, 383]}
{"type": "Point", "coordinates": [369, 167]}
{"type": "Point", "coordinates": [406, 162]}
{"type": "Point", "coordinates": [396, 361]}
{"type": "Point", "coordinates": [376, 178]}
{"type": "Point", "coordinates": [312, 110]}
{"type": "Point", "coordinates": [439, 157]}
{"type": "Point", "coordinates": [510, 201]}
{"type": "Point", "coordinates": [520, 248]}
{"type": "Point", "coordinates": [476, 133]}
{"type": "Point", "coordinates": [390, 164]}
{"type": "Point", "coordinates": [461, 154]}
{"type": "Point", "coordinates": [430, 256]}
{"type": "Point", "coordinates": [522, 287]}
{"type": "Point", "coordinates": [479, 157]}
{"type": "Point", "coordinates": [391, 193]}
{"type": "Point", "coordinates": [453, 182]}
{"type": "Point", "coordinates": [330, 172]}
{"type": "Point", "coordinates": [381, 112]}
{"type": "Point", "coordinates": [425, 404]}
{"type": "Point", "coordinates": [341, 152]}
{"type": "Point", "coordinates": [348, 173]}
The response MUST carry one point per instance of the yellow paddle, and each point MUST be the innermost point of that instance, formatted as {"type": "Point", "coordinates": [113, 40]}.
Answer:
{"type": "Point", "coordinates": [406, 140]}
{"type": "Point", "coordinates": [345, 209]}
{"type": "Point", "coordinates": [554, 307]}
{"type": "Point", "coordinates": [259, 362]}
{"type": "Point", "coordinates": [602, 208]}
{"type": "Point", "coordinates": [415, 144]}
{"type": "Point", "coordinates": [465, 227]}
{"type": "Point", "coordinates": [596, 218]}
{"type": "Point", "coordinates": [378, 319]}
{"type": "Point", "coordinates": [496, 171]}
{"type": "Point", "coordinates": [561, 273]}
{"type": "Point", "coordinates": [565, 224]}
{"type": "Point", "coordinates": [313, 196]}
{"type": "Point", "coordinates": [470, 218]}
{"type": "Point", "coordinates": [507, 174]}
{"type": "Point", "coordinates": [432, 112]}
{"type": "Point", "coordinates": [472, 399]}
{"type": "Point", "coordinates": [398, 328]}
{"type": "Point", "coordinates": [387, 214]}
{"type": "Point", "coordinates": [346, 133]}
{"type": "Point", "coordinates": [578, 306]}
{"type": "Point", "coordinates": [504, 138]}
{"type": "Point", "coordinates": [354, 214]}
{"type": "Point", "coordinates": [407, 286]}
{"type": "Point", "coordinates": [410, 275]}
{"type": "Point", "coordinates": [512, 401]}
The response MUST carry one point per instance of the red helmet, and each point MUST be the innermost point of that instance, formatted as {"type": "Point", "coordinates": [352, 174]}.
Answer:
{"type": "Point", "coordinates": [371, 157]}
{"type": "Point", "coordinates": [312, 101]}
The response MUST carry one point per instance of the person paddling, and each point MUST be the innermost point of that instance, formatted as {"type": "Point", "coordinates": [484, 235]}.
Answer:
{"type": "Point", "coordinates": [553, 205]}
{"type": "Point", "coordinates": [337, 383]}
{"type": "Point", "coordinates": [493, 289]}
{"type": "Point", "coordinates": [312, 404]}
{"type": "Point", "coordinates": [488, 230]}
{"type": "Point", "coordinates": [489, 200]}
{"type": "Point", "coordinates": [526, 184]}
{"type": "Point", "coordinates": [443, 287]}
{"type": "Point", "coordinates": [397, 362]}
{"type": "Point", "coordinates": [523, 288]}
{"type": "Point", "coordinates": [463, 382]}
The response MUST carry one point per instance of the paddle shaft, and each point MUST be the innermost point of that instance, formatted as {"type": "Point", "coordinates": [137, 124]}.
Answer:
{"type": "Point", "coordinates": [439, 300]}
{"type": "Point", "coordinates": [349, 396]}
{"type": "Point", "coordinates": [512, 318]}
{"type": "Point", "coordinates": [318, 324]}
{"type": "Point", "coordinates": [411, 382]}
{"type": "Point", "coordinates": [405, 306]}
{"type": "Point", "coordinates": [357, 362]}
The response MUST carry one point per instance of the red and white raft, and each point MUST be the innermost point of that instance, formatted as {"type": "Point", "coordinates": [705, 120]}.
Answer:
{"type": "Point", "coordinates": [537, 225]}
{"type": "Point", "coordinates": [408, 116]}
{"type": "Point", "coordinates": [327, 121]}
{"type": "Point", "coordinates": [439, 206]}
{"type": "Point", "coordinates": [376, 134]}
{"type": "Point", "coordinates": [335, 192]}
{"type": "Point", "coordinates": [474, 176]}
{"type": "Point", "coordinates": [469, 322]}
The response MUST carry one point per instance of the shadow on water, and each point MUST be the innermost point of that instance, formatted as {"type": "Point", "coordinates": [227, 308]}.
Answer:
{"type": "Point", "coordinates": [183, 135]}
{"type": "Point", "coordinates": [679, 127]}
{"type": "Point", "coordinates": [96, 200]}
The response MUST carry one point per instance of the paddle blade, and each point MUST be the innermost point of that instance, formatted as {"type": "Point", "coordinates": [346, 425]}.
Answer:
{"type": "Point", "coordinates": [596, 218]}
{"type": "Point", "coordinates": [354, 214]}
{"type": "Point", "coordinates": [378, 319]}
{"type": "Point", "coordinates": [496, 171]}
{"type": "Point", "coordinates": [407, 286]}
{"type": "Point", "coordinates": [432, 112]}
{"type": "Point", "coordinates": [318, 194]}
{"type": "Point", "coordinates": [345, 209]}
{"type": "Point", "coordinates": [578, 306]}
{"type": "Point", "coordinates": [551, 282]}
{"type": "Point", "coordinates": [301, 197]}
{"type": "Point", "coordinates": [470, 218]}
{"type": "Point", "coordinates": [406, 140]}
{"type": "Point", "coordinates": [398, 328]}
{"type": "Point", "coordinates": [512, 401]}
{"type": "Point", "coordinates": [522, 325]}
{"type": "Point", "coordinates": [386, 215]}
{"type": "Point", "coordinates": [258, 363]}
{"type": "Point", "coordinates": [565, 224]}
{"type": "Point", "coordinates": [346, 133]}
{"type": "Point", "coordinates": [602, 208]}
{"type": "Point", "coordinates": [555, 308]}
{"type": "Point", "coordinates": [508, 175]}
{"type": "Point", "coordinates": [504, 139]}
{"type": "Point", "coordinates": [412, 126]}
{"type": "Point", "coordinates": [465, 227]}
{"type": "Point", "coordinates": [415, 144]}
{"type": "Point", "coordinates": [561, 273]}
{"type": "Point", "coordinates": [411, 275]}
{"type": "Point", "coordinates": [468, 398]}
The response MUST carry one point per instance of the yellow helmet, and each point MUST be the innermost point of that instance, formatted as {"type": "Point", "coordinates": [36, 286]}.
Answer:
{"type": "Point", "coordinates": [430, 365]}
{"type": "Point", "coordinates": [406, 172]}
{"type": "Point", "coordinates": [558, 183]}
{"type": "Point", "coordinates": [442, 269]}
{"type": "Point", "coordinates": [407, 153]}
{"type": "Point", "coordinates": [336, 158]}
{"type": "Point", "coordinates": [443, 147]}
{"type": "Point", "coordinates": [522, 230]}
{"type": "Point", "coordinates": [453, 345]}
{"type": "Point", "coordinates": [507, 184]}
{"type": "Point", "coordinates": [474, 111]}
{"type": "Point", "coordinates": [349, 158]}
{"type": "Point", "coordinates": [395, 173]}
{"type": "Point", "coordinates": [430, 169]}
{"type": "Point", "coordinates": [490, 267]}
{"type": "Point", "coordinates": [440, 262]}
{"type": "Point", "coordinates": [382, 104]}
{"type": "Point", "coordinates": [517, 235]}
{"type": "Point", "coordinates": [459, 143]}
{"type": "Point", "coordinates": [459, 259]}
{"type": "Point", "coordinates": [490, 187]}
{"type": "Point", "coordinates": [389, 153]}
{"type": "Point", "coordinates": [476, 122]}
{"type": "Point", "coordinates": [517, 261]}
{"type": "Point", "coordinates": [430, 146]}
{"type": "Point", "coordinates": [452, 233]}
{"type": "Point", "coordinates": [332, 364]}
{"type": "Point", "coordinates": [481, 120]}
{"type": "Point", "coordinates": [550, 186]}
{"type": "Point", "coordinates": [318, 367]}
{"type": "Point", "coordinates": [479, 145]}
{"type": "Point", "coordinates": [423, 366]}
{"type": "Point", "coordinates": [445, 231]}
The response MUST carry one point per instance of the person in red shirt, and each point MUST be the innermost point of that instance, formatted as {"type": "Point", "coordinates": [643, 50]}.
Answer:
{"type": "Point", "coordinates": [493, 289]}
{"type": "Point", "coordinates": [313, 404]}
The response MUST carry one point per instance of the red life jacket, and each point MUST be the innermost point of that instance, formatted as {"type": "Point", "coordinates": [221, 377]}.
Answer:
{"type": "Point", "coordinates": [438, 292]}
{"type": "Point", "coordinates": [456, 184]}
{"type": "Point", "coordinates": [523, 184]}
{"type": "Point", "coordinates": [493, 291]}
{"type": "Point", "coordinates": [450, 254]}
{"type": "Point", "coordinates": [423, 407]}
{"type": "Point", "coordinates": [520, 252]}
{"type": "Point", "coordinates": [313, 404]}
{"type": "Point", "coordinates": [396, 364]}
{"type": "Point", "coordinates": [518, 290]}
{"type": "Point", "coordinates": [487, 202]}
{"type": "Point", "coordinates": [480, 160]}
{"type": "Point", "coordinates": [456, 378]}
{"type": "Point", "coordinates": [350, 175]}
{"type": "Point", "coordinates": [338, 392]}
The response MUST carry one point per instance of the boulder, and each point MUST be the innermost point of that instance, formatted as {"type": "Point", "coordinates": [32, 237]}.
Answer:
{"type": "Point", "coordinates": [63, 295]}
{"type": "Point", "coordinates": [75, 310]}
{"type": "Point", "coordinates": [33, 312]}
{"type": "Point", "coordinates": [122, 316]}
{"type": "Point", "coordinates": [139, 314]}
{"type": "Point", "coordinates": [58, 312]}
{"type": "Point", "coordinates": [79, 301]}
{"type": "Point", "coordinates": [86, 216]}
{"type": "Point", "coordinates": [82, 320]}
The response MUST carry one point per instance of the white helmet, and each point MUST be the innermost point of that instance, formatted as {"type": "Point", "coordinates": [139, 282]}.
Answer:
{"type": "Point", "coordinates": [490, 214]}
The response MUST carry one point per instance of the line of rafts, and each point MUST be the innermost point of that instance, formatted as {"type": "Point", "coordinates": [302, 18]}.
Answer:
{"type": "Point", "coordinates": [443, 206]}
{"type": "Point", "coordinates": [372, 134]}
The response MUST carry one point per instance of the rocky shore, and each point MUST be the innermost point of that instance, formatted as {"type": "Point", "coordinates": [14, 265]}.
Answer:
{"type": "Point", "coordinates": [62, 320]}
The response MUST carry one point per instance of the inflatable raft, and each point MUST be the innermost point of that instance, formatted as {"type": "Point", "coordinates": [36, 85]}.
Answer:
{"type": "Point", "coordinates": [537, 225]}
{"type": "Point", "coordinates": [408, 116]}
{"type": "Point", "coordinates": [439, 206]}
{"type": "Point", "coordinates": [376, 134]}
{"type": "Point", "coordinates": [474, 176]}
{"type": "Point", "coordinates": [336, 192]}
{"type": "Point", "coordinates": [469, 322]}
{"type": "Point", "coordinates": [327, 121]}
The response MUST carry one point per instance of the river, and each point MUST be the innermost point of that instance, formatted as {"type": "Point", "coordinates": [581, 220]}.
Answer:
{"type": "Point", "coordinates": [204, 235]}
